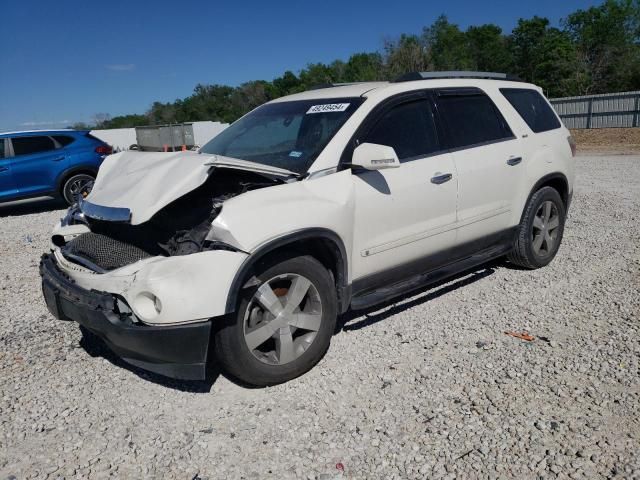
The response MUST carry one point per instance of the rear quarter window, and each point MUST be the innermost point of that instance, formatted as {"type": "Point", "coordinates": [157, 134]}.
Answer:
{"type": "Point", "coordinates": [533, 108]}
{"type": "Point", "coordinates": [64, 140]}
{"type": "Point", "coordinates": [471, 119]}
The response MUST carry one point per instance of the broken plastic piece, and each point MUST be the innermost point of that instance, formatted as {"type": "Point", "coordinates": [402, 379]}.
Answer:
{"type": "Point", "coordinates": [522, 336]}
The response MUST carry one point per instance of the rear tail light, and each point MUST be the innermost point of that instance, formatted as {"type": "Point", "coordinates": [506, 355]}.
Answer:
{"type": "Point", "coordinates": [572, 144]}
{"type": "Point", "coordinates": [104, 150]}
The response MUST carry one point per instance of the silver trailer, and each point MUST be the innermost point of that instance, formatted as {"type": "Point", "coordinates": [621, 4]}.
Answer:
{"type": "Point", "coordinates": [159, 138]}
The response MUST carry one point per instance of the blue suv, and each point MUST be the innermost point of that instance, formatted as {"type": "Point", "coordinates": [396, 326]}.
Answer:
{"type": "Point", "coordinates": [49, 162]}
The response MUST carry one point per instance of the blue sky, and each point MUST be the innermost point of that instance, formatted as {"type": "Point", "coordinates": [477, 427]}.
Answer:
{"type": "Point", "coordinates": [63, 62]}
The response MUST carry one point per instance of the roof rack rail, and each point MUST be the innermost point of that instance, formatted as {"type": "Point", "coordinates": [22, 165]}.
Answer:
{"type": "Point", "coordinates": [409, 77]}
{"type": "Point", "coordinates": [331, 85]}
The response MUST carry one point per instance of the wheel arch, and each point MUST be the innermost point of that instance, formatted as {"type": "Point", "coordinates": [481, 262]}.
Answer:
{"type": "Point", "coordinates": [69, 172]}
{"type": "Point", "coordinates": [323, 244]}
{"type": "Point", "coordinates": [556, 180]}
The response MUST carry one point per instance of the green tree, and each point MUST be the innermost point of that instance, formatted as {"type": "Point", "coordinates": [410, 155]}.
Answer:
{"type": "Point", "coordinates": [557, 65]}
{"type": "Point", "coordinates": [286, 84]}
{"type": "Point", "coordinates": [525, 41]}
{"type": "Point", "coordinates": [407, 54]}
{"type": "Point", "coordinates": [127, 121]}
{"type": "Point", "coordinates": [364, 67]}
{"type": "Point", "coordinates": [489, 49]}
{"type": "Point", "coordinates": [548, 57]}
{"type": "Point", "coordinates": [318, 74]}
{"type": "Point", "coordinates": [447, 46]}
{"type": "Point", "coordinates": [608, 38]}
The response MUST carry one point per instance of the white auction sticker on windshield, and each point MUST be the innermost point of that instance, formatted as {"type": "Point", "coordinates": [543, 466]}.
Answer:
{"type": "Point", "coordinates": [329, 107]}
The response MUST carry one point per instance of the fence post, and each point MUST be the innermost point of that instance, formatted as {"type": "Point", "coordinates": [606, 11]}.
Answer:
{"type": "Point", "coordinates": [590, 112]}
{"type": "Point", "coordinates": [636, 106]}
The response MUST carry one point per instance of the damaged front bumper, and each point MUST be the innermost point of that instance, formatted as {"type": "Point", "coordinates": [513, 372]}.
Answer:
{"type": "Point", "coordinates": [177, 351]}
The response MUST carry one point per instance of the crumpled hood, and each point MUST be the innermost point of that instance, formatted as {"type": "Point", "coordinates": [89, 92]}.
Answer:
{"type": "Point", "coordinates": [145, 182]}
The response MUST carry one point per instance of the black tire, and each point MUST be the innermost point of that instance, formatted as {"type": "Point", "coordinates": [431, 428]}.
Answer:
{"type": "Point", "coordinates": [80, 183]}
{"type": "Point", "coordinates": [524, 253]}
{"type": "Point", "coordinates": [231, 349]}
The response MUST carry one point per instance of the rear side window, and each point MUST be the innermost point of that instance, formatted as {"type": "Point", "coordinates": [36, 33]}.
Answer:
{"type": "Point", "coordinates": [1, 147]}
{"type": "Point", "coordinates": [472, 119]}
{"type": "Point", "coordinates": [533, 108]}
{"type": "Point", "coordinates": [408, 128]}
{"type": "Point", "coordinates": [64, 140]}
{"type": "Point", "coordinates": [29, 145]}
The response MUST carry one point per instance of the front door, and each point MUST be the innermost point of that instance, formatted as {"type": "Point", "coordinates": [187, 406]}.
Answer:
{"type": "Point", "coordinates": [37, 163]}
{"type": "Point", "coordinates": [405, 214]}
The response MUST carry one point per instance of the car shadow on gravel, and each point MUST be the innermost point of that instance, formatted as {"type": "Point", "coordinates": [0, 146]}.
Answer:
{"type": "Point", "coordinates": [374, 314]}
{"type": "Point", "coordinates": [96, 347]}
{"type": "Point", "coordinates": [28, 207]}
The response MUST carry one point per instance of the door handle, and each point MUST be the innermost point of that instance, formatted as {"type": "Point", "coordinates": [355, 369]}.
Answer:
{"type": "Point", "coordinates": [514, 161]}
{"type": "Point", "coordinates": [3, 169]}
{"type": "Point", "coordinates": [441, 178]}
{"type": "Point", "coordinates": [58, 159]}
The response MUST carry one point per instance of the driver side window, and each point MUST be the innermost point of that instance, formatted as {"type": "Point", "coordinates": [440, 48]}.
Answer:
{"type": "Point", "coordinates": [409, 128]}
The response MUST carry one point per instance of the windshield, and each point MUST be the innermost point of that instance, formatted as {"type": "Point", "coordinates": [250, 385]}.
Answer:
{"type": "Point", "coordinates": [287, 135]}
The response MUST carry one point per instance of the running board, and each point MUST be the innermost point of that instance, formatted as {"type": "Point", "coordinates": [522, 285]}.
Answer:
{"type": "Point", "coordinates": [373, 297]}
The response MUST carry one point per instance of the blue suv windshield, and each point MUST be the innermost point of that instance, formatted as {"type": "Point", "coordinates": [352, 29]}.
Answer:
{"type": "Point", "coordinates": [287, 135]}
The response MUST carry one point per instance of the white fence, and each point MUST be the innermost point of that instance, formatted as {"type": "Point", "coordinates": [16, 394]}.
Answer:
{"type": "Point", "coordinates": [122, 138]}
{"type": "Point", "coordinates": [599, 111]}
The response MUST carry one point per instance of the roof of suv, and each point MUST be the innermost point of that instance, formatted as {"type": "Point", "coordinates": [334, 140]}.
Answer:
{"type": "Point", "coordinates": [361, 89]}
{"type": "Point", "coordinates": [58, 131]}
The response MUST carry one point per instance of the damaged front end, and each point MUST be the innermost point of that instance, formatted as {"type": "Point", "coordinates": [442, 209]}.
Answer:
{"type": "Point", "coordinates": [154, 266]}
{"type": "Point", "coordinates": [181, 228]}
{"type": "Point", "coordinates": [150, 289]}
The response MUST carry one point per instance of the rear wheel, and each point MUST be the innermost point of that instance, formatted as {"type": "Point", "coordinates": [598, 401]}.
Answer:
{"type": "Point", "coordinates": [77, 185]}
{"type": "Point", "coordinates": [540, 231]}
{"type": "Point", "coordinates": [282, 327]}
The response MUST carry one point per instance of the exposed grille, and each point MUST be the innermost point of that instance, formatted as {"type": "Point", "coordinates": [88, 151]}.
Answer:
{"type": "Point", "coordinates": [102, 251]}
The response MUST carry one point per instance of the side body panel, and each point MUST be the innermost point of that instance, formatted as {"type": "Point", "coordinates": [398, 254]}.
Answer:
{"type": "Point", "coordinates": [400, 215]}
{"type": "Point", "coordinates": [36, 173]}
{"type": "Point", "coordinates": [487, 188]}
{"type": "Point", "coordinates": [256, 218]}
{"type": "Point", "coordinates": [82, 156]}
{"type": "Point", "coordinates": [545, 155]}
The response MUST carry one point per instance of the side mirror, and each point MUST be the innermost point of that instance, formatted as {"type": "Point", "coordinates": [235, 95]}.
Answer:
{"type": "Point", "coordinates": [372, 156]}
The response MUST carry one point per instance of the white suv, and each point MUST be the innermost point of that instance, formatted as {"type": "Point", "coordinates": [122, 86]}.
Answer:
{"type": "Point", "coordinates": [340, 197]}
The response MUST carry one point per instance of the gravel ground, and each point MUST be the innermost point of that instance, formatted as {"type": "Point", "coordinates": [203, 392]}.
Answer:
{"type": "Point", "coordinates": [429, 387]}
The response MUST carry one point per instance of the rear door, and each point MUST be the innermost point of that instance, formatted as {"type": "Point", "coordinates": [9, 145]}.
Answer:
{"type": "Point", "coordinates": [8, 187]}
{"type": "Point", "coordinates": [488, 160]}
{"type": "Point", "coordinates": [37, 161]}
{"type": "Point", "coordinates": [405, 214]}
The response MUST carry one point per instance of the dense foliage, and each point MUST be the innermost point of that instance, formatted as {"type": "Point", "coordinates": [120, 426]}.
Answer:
{"type": "Point", "coordinates": [596, 50]}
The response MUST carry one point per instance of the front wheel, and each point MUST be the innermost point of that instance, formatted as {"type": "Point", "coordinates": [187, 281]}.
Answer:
{"type": "Point", "coordinates": [540, 231]}
{"type": "Point", "coordinates": [282, 327]}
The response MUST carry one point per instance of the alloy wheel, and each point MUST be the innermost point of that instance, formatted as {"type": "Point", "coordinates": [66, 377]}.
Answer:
{"type": "Point", "coordinates": [79, 185]}
{"type": "Point", "coordinates": [282, 319]}
{"type": "Point", "coordinates": [544, 233]}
